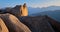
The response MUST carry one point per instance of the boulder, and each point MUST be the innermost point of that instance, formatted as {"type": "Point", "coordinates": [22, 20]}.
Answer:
{"type": "Point", "coordinates": [13, 24]}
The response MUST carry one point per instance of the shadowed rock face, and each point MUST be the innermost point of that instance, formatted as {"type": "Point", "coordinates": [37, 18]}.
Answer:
{"type": "Point", "coordinates": [41, 24]}
{"type": "Point", "coordinates": [55, 24]}
{"type": "Point", "coordinates": [37, 24]}
{"type": "Point", "coordinates": [3, 27]}
{"type": "Point", "coordinates": [13, 24]}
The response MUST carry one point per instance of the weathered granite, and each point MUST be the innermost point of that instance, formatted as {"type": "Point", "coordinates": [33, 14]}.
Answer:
{"type": "Point", "coordinates": [13, 24]}
{"type": "Point", "coordinates": [3, 27]}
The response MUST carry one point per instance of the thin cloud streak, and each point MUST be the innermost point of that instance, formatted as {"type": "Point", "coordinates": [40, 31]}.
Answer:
{"type": "Point", "coordinates": [57, 3]}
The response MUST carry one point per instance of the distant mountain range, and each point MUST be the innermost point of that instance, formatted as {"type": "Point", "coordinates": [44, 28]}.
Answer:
{"type": "Point", "coordinates": [51, 11]}
{"type": "Point", "coordinates": [36, 10]}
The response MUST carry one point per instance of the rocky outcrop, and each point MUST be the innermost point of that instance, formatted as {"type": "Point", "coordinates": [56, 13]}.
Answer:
{"type": "Point", "coordinates": [3, 27]}
{"type": "Point", "coordinates": [13, 24]}
{"type": "Point", "coordinates": [41, 23]}
{"type": "Point", "coordinates": [24, 10]}
{"type": "Point", "coordinates": [18, 10]}
{"type": "Point", "coordinates": [38, 23]}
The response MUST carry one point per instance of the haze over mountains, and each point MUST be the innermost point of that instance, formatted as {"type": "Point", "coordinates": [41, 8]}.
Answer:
{"type": "Point", "coordinates": [51, 11]}
{"type": "Point", "coordinates": [36, 10]}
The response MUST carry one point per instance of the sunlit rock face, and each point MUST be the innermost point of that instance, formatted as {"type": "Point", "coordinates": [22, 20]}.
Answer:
{"type": "Point", "coordinates": [3, 27]}
{"type": "Point", "coordinates": [13, 24]}
{"type": "Point", "coordinates": [24, 10]}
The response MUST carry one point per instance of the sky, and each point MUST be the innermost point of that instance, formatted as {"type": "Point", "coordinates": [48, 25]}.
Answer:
{"type": "Point", "coordinates": [30, 3]}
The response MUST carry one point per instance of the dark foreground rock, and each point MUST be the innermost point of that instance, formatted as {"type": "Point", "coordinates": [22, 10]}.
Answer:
{"type": "Point", "coordinates": [55, 24]}
{"type": "Point", "coordinates": [13, 24]}
{"type": "Point", "coordinates": [37, 24]}
{"type": "Point", "coordinates": [41, 23]}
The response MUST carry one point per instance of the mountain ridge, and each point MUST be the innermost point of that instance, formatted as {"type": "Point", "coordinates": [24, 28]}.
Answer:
{"type": "Point", "coordinates": [43, 9]}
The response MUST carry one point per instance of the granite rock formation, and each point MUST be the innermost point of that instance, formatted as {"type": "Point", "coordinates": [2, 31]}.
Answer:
{"type": "Point", "coordinates": [41, 23]}
{"type": "Point", "coordinates": [18, 10]}
{"type": "Point", "coordinates": [24, 10]}
{"type": "Point", "coordinates": [37, 24]}
{"type": "Point", "coordinates": [13, 24]}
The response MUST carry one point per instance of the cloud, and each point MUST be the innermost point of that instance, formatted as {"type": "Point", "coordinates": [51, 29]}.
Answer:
{"type": "Point", "coordinates": [46, 4]}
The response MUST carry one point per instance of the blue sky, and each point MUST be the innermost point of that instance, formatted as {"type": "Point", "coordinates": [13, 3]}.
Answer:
{"type": "Point", "coordinates": [30, 3]}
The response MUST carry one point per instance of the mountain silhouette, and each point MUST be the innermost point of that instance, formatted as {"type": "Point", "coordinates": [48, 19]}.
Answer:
{"type": "Point", "coordinates": [53, 14]}
{"type": "Point", "coordinates": [18, 19]}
